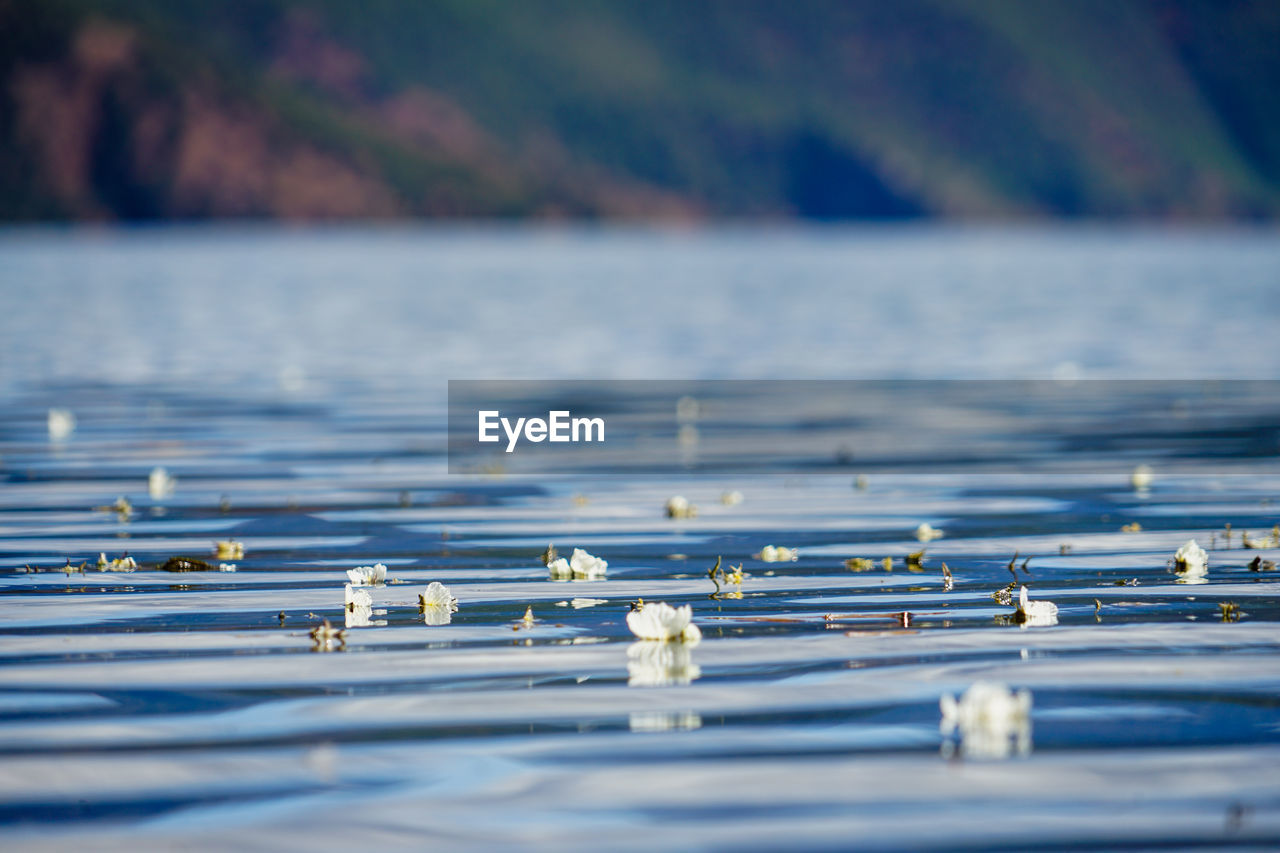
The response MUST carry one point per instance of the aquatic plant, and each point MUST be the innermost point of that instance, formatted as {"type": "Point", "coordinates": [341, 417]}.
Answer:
{"type": "Point", "coordinates": [437, 604]}
{"type": "Point", "coordinates": [160, 484]}
{"type": "Point", "coordinates": [228, 549]}
{"type": "Point", "coordinates": [226, 567]}
{"type": "Point", "coordinates": [1035, 613]}
{"type": "Point", "coordinates": [859, 564]}
{"type": "Point", "coordinates": [732, 498]}
{"type": "Point", "coordinates": [355, 597]}
{"type": "Point", "coordinates": [776, 554]}
{"type": "Point", "coordinates": [678, 506]}
{"type": "Point", "coordinates": [587, 567]}
{"type": "Point", "coordinates": [61, 423]}
{"type": "Point", "coordinates": [1141, 477]}
{"type": "Point", "coordinates": [327, 638]}
{"type": "Point", "coordinates": [119, 564]}
{"type": "Point", "coordinates": [1191, 559]}
{"type": "Point", "coordinates": [926, 532]}
{"type": "Point", "coordinates": [374, 575]}
{"type": "Point", "coordinates": [660, 621]}
{"type": "Point", "coordinates": [185, 564]}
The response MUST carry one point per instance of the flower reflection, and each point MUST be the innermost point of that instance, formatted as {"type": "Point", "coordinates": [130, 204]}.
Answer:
{"type": "Point", "coordinates": [991, 720]}
{"type": "Point", "coordinates": [362, 617]}
{"type": "Point", "coordinates": [664, 721]}
{"type": "Point", "coordinates": [652, 663]}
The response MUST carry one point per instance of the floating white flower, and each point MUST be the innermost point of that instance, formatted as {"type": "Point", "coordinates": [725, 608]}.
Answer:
{"type": "Point", "coordinates": [926, 532]}
{"type": "Point", "coordinates": [375, 575]}
{"type": "Point", "coordinates": [587, 567]}
{"type": "Point", "coordinates": [1191, 559]}
{"type": "Point", "coordinates": [678, 506]}
{"type": "Point", "coordinates": [731, 498]}
{"type": "Point", "coordinates": [356, 597]}
{"type": "Point", "coordinates": [226, 567]}
{"type": "Point", "coordinates": [777, 554]}
{"type": "Point", "coordinates": [661, 621]}
{"type": "Point", "coordinates": [1035, 613]}
{"type": "Point", "coordinates": [1141, 478]}
{"type": "Point", "coordinates": [990, 718]}
{"type": "Point", "coordinates": [160, 484]}
{"type": "Point", "coordinates": [228, 550]}
{"type": "Point", "coordinates": [656, 664]}
{"type": "Point", "coordinates": [120, 564]}
{"type": "Point", "coordinates": [61, 424]}
{"type": "Point", "coordinates": [437, 604]}
{"type": "Point", "coordinates": [560, 570]}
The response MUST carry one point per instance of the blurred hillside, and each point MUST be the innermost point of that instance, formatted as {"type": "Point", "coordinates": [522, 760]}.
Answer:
{"type": "Point", "coordinates": [154, 109]}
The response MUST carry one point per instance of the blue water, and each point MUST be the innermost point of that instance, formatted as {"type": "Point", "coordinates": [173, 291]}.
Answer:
{"type": "Point", "coordinates": [294, 381]}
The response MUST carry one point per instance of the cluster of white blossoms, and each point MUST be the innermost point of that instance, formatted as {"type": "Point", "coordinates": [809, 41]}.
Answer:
{"type": "Point", "coordinates": [777, 554]}
{"type": "Point", "coordinates": [580, 566]}
{"type": "Point", "coordinates": [374, 575]}
{"type": "Point", "coordinates": [437, 603]}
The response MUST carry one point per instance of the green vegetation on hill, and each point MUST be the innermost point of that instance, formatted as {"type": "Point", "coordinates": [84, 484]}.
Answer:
{"type": "Point", "coordinates": [139, 109]}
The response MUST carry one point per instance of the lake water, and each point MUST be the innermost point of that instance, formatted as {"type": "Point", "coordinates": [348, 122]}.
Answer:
{"type": "Point", "coordinates": [294, 383]}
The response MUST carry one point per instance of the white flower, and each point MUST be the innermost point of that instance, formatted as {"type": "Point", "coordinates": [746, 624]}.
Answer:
{"type": "Point", "coordinates": [772, 554]}
{"type": "Point", "coordinates": [120, 564]}
{"type": "Point", "coordinates": [1141, 478]}
{"type": "Point", "coordinates": [927, 532]}
{"type": "Point", "coordinates": [1035, 613]}
{"type": "Point", "coordinates": [587, 567]}
{"type": "Point", "coordinates": [656, 664]}
{"type": "Point", "coordinates": [678, 506]}
{"type": "Point", "coordinates": [226, 567]}
{"type": "Point", "coordinates": [61, 424]}
{"type": "Point", "coordinates": [731, 498]}
{"type": "Point", "coordinates": [1191, 559]}
{"type": "Point", "coordinates": [437, 604]}
{"type": "Point", "coordinates": [437, 598]}
{"type": "Point", "coordinates": [228, 550]}
{"type": "Point", "coordinates": [160, 484]}
{"type": "Point", "coordinates": [355, 597]}
{"type": "Point", "coordinates": [989, 716]}
{"type": "Point", "coordinates": [368, 575]}
{"type": "Point", "coordinates": [661, 621]}
{"type": "Point", "coordinates": [560, 570]}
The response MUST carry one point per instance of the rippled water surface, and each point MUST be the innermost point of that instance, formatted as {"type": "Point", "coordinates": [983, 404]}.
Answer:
{"type": "Point", "coordinates": [294, 385]}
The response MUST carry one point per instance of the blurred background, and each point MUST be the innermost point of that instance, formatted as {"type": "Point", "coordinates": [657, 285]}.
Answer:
{"type": "Point", "coordinates": [674, 111]}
